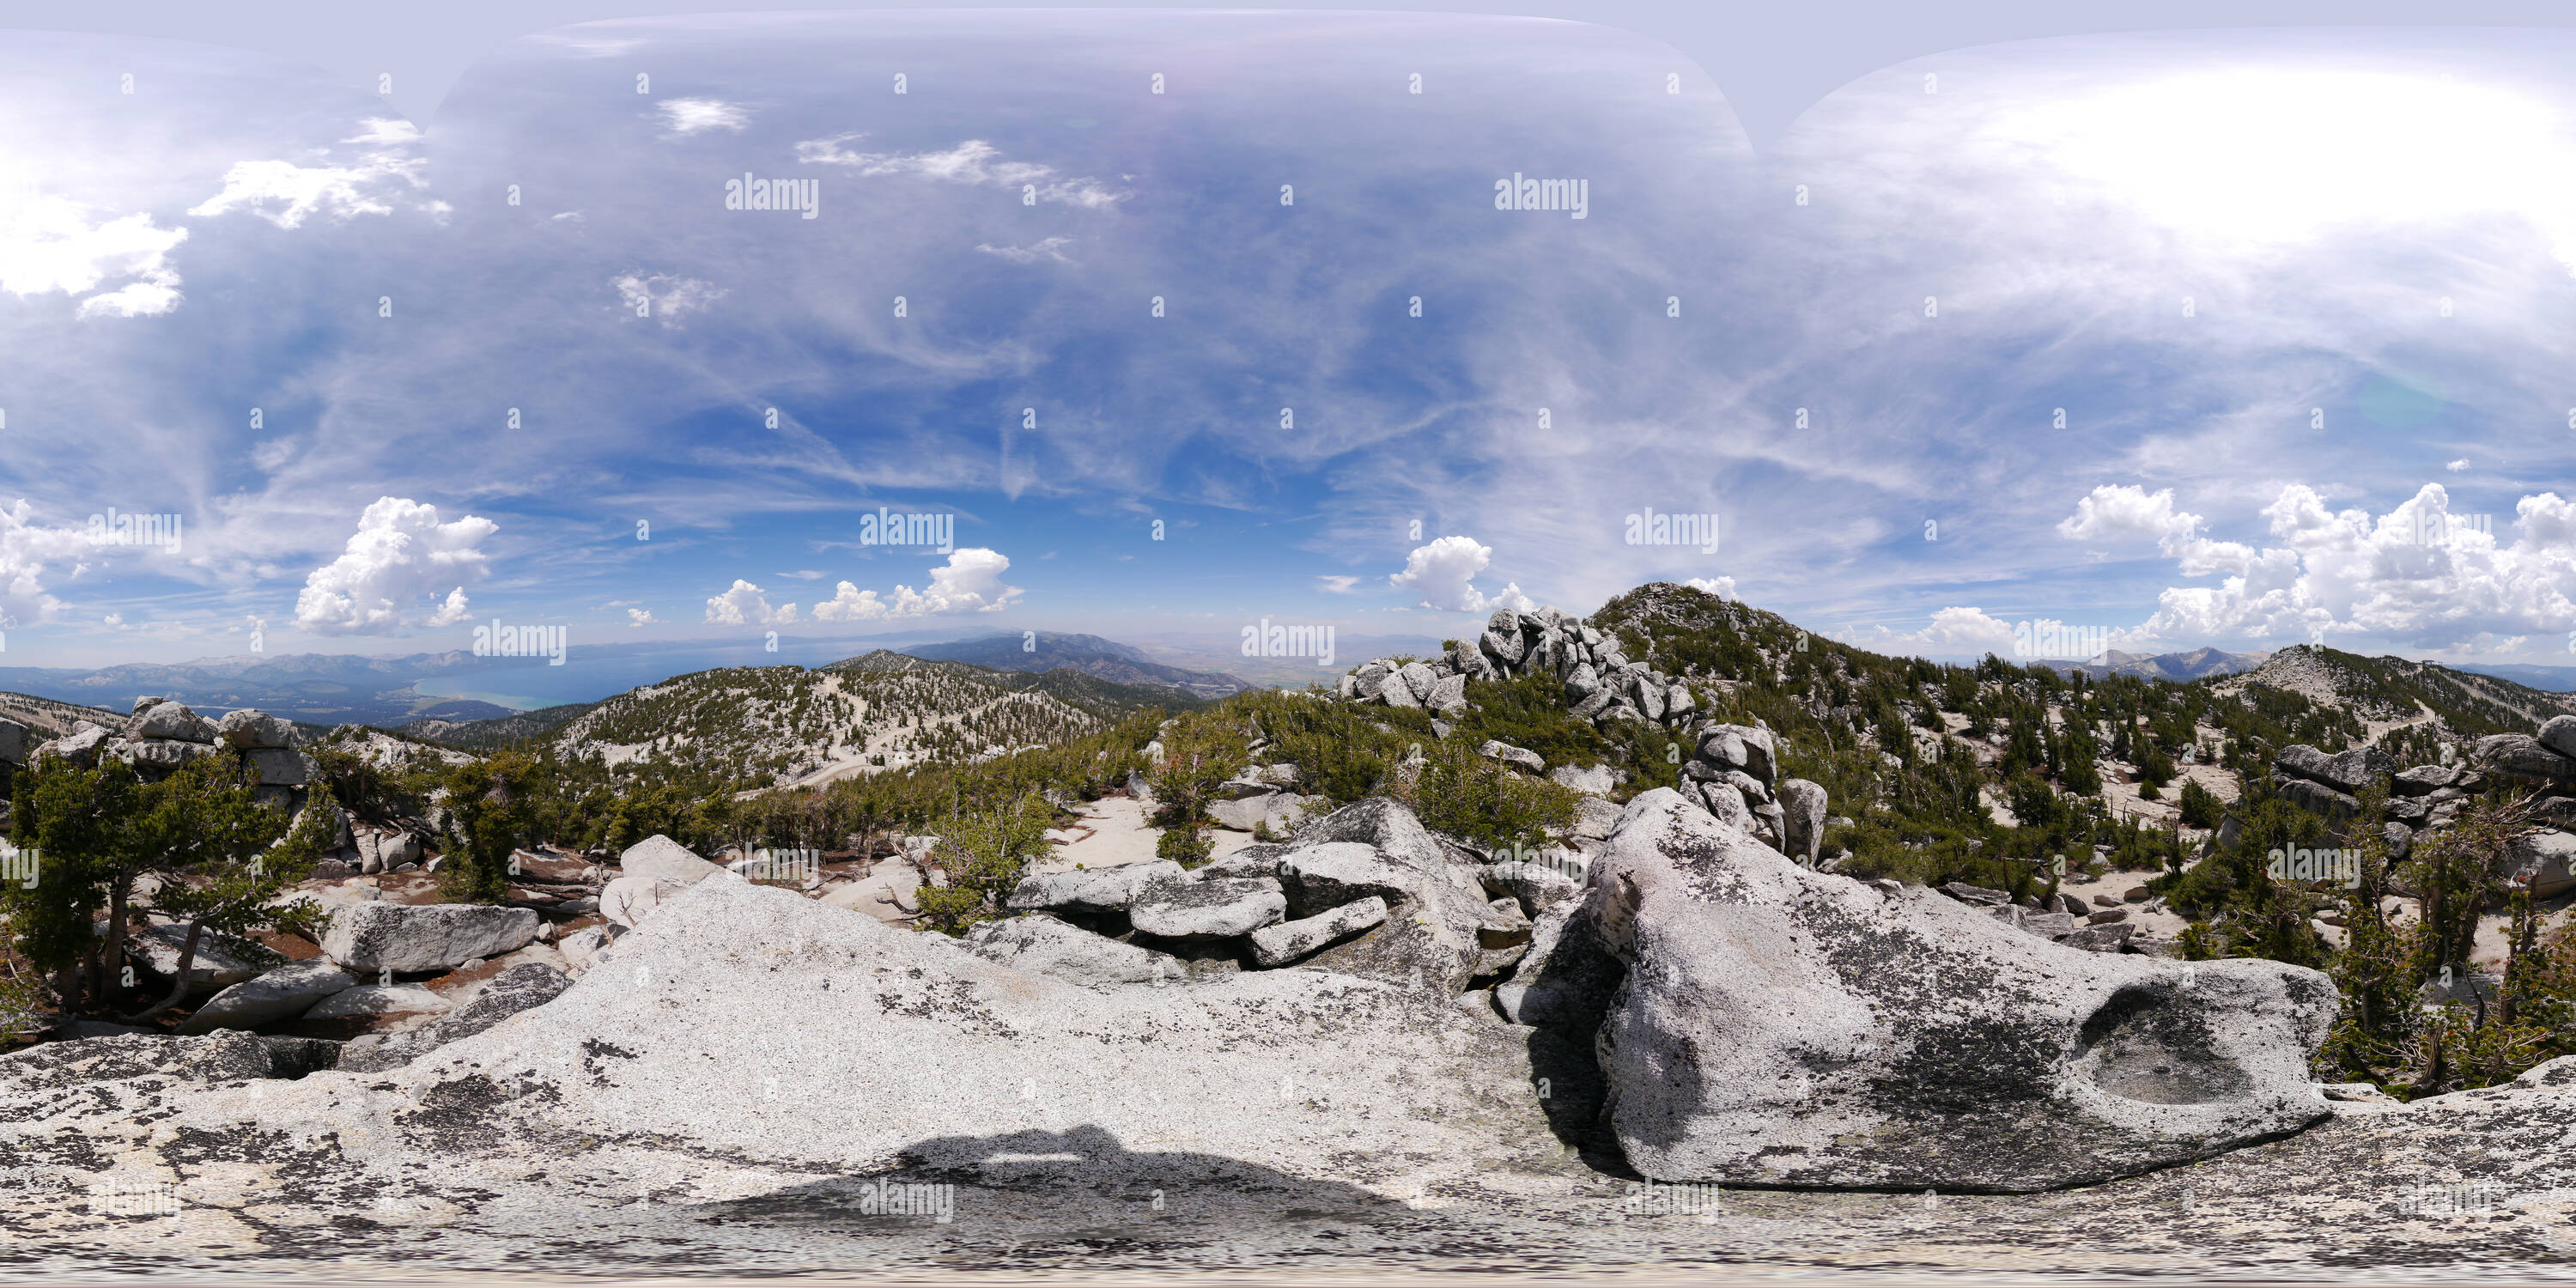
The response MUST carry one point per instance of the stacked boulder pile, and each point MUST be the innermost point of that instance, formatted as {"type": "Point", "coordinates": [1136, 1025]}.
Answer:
{"type": "Point", "coordinates": [1365, 890]}
{"type": "Point", "coordinates": [2428, 797]}
{"type": "Point", "coordinates": [368, 987]}
{"type": "Point", "coordinates": [1600, 682]}
{"type": "Point", "coordinates": [162, 735]}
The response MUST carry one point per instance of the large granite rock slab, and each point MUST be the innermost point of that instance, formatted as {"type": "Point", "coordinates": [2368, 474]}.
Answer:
{"type": "Point", "coordinates": [1088, 890]}
{"type": "Point", "coordinates": [1778, 1026]}
{"type": "Point", "coordinates": [2523, 758]}
{"type": "Point", "coordinates": [523, 987]}
{"type": "Point", "coordinates": [1435, 903]}
{"type": "Point", "coordinates": [1045, 945]}
{"type": "Point", "coordinates": [409, 938]}
{"type": "Point", "coordinates": [281, 994]}
{"type": "Point", "coordinates": [659, 858]}
{"type": "Point", "coordinates": [252, 730]}
{"type": "Point", "coordinates": [2345, 771]}
{"type": "Point", "coordinates": [1284, 943]}
{"type": "Point", "coordinates": [1194, 907]}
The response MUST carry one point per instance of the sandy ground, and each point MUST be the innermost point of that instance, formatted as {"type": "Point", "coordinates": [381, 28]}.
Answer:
{"type": "Point", "coordinates": [1113, 831]}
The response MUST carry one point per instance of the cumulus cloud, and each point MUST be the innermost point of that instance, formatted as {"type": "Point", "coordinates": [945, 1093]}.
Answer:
{"type": "Point", "coordinates": [971, 582]}
{"type": "Point", "coordinates": [400, 552]}
{"type": "Point", "coordinates": [2419, 574]}
{"type": "Point", "coordinates": [1722, 587]}
{"type": "Point", "coordinates": [49, 244]}
{"type": "Point", "coordinates": [1051, 248]}
{"type": "Point", "coordinates": [682, 117]}
{"type": "Point", "coordinates": [744, 605]}
{"type": "Point", "coordinates": [453, 610]}
{"type": "Point", "coordinates": [287, 194]}
{"type": "Point", "coordinates": [641, 617]}
{"type": "Point", "coordinates": [2120, 514]}
{"type": "Point", "coordinates": [665, 297]}
{"type": "Point", "coordinates": [1441, 572]}
{"type": "Point", "coordinates": [973, 162]}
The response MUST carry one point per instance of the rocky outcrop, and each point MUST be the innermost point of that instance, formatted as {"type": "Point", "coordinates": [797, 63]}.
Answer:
{"type": "Point", "coordinates": [2521, 758]}
{"type": "Point", "coordinates": [227, 1056]}
{"type": "Point", "coordinates": [1599, 682]}
{"type": "Point", "coordinates": [2347, 771]}
{"type": "Point", "coordinates": [1435, 905]}
{"type": "Point", "coordinates": [1045, 945]}
{"type": "Point", "coordinates": [409, 938]}
{"type": "Point", "coordinates": [659, 858]}
{"type": "Point", "coordinates": [1783, 1027]}
{"type": "Point", "coordinates": [281, 994]}
{"type": "Point", "coordinates": [1093, 891]}
{"type": "Point", "coordinates": [524, 987]}
{"type": "Point", "coordinates": [1288, 941]}
{"type": "Point", "coordinates": [1194, 906]}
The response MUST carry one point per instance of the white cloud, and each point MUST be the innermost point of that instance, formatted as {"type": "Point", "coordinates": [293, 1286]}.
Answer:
{"type": "Point", "coordinates": [399, 553]}
{"type": "Point", "coordinates": [1722, 587]}
{"type": "Point", "coordinates": [2127, 512]}
{"type": "Point", "coordinates": [2418, 574]}
{"type": "Point", "coordinates": [973, 161]}
{"type": "Point", "coordinates": [48, 244]}
{"type": "Point", "coordinates": [454, 610]}
{"type": "Point", "coordinates": [1442, 570]}
{"type": "Point", "coordinates": [25, 549]}
{"type": "Point", "coordinates": [2113, 514]}
{"type": "Point", "coordinates": [641, 617]}
{"type": "Point", "coordinates": [1336, 584]}
{"type": "Point", "coordinates": [671, 298]}
{"type": "Point", "coordinates": [686, 116]}
{"type": "Point", "coordinates": [1051, 248]}
{"type": "Point", "coordinates": [971, 582]}
{"type": "Point", "coordinates": [744, 605]}
{"type": "Point", "coordinates": [287, 194]}
{"type": "Point", "coordinates": [2458, 465]}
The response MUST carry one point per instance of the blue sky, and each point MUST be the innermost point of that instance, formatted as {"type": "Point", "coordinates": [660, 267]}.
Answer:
{"type": "Point", "coordinates": [2315, 197]}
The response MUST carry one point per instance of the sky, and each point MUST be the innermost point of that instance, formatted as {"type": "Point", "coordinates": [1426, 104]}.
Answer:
{"type": "Point", "coordinates": [2183, 339]}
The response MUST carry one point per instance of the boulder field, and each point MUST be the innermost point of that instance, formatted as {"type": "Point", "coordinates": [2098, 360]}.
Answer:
{"type": "Point", "coordinates": [745, 1078]}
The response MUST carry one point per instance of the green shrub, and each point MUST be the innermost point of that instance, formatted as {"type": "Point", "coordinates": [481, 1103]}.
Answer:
{"type": "Point", "coordinates": [1185, 844]}
{"type": "Point", "coordinates": [2201, 806]}
{"type": "Point", "coordinates": [1481, 801]}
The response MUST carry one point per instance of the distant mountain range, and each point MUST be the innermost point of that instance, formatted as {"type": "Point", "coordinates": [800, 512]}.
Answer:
{"type": "Point", "coordinates": [2177, 667]}
{"type": "Point", "coordinates": [2548, 679]}
{"type": "Point", "coordinates": [1042, 651]}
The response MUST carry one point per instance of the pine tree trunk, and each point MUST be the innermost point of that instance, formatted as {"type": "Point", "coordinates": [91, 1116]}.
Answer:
{"type": "Point", "coordinates": [179, 986]}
